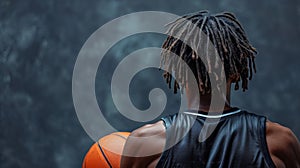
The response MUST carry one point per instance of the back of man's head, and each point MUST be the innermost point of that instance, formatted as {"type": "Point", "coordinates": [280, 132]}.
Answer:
{"type": "Point", "coordinates": [228, 37]}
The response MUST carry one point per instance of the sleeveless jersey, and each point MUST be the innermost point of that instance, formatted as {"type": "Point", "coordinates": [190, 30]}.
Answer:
{"type": "Point", "coordinates": [235, 139]}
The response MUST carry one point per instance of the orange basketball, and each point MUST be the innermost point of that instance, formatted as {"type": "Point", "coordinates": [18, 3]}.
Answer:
{"type": "Point", "coordinates": [106, 153]}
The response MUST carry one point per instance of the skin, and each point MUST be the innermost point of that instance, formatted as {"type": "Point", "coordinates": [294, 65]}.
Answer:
{"type": "Point", "coordinates": [284, 147]}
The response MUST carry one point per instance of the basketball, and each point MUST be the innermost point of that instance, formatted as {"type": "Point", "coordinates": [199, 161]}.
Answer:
{"type": "Point", "coordinates": [106, 153]}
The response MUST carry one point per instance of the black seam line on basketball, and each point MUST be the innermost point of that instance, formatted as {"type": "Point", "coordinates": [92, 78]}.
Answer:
{"type": "Point", "coordinates": [120, 136]}
{"type": "Point", "coordinates": [104, 155]}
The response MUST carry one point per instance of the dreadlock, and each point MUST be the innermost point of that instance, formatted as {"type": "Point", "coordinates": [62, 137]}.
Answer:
{"type": "Point", "coordinates": [229, 40]}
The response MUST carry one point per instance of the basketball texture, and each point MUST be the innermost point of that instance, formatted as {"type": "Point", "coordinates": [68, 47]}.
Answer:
{"type": "Point", "coordinates": [106, 153]}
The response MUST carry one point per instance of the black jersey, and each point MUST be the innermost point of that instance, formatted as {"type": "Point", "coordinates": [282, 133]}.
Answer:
{"type": "Point", "coordinates": [236, 139]}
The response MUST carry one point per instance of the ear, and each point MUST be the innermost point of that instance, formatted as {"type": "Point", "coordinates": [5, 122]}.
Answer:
{"type": "Point", "coordinates": [228, 84]}
{"type": "Point", "coordinates": [230, 81]}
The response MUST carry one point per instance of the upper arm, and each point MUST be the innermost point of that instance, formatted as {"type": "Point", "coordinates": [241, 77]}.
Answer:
{"type": "Point", "coordinates": [283, 146]}
{"type": "Point", "coordinates": [143, 146]}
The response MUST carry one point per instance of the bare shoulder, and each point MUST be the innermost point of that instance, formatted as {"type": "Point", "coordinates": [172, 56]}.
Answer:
{"type": "Point", "coordinates": [149, 130]}
{"type": "Point", "coordinates": [283, 145]}
{"type": "Point", "coordinates": [144, 146]}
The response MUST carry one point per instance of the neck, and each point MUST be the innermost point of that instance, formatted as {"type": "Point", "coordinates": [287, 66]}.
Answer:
{"type": "Point", "coordinates": [204, 102]}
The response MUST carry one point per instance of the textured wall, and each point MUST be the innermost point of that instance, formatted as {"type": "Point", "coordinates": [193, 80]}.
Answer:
{"type": "Point", "coordinates": [39, 43]}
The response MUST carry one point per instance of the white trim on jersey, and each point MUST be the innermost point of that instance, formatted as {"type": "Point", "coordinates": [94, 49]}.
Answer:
{"type": "Point", "coordinates": [213, 116]}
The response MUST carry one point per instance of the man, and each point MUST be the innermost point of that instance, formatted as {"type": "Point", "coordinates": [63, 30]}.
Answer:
{"type": "Point", "coordinates": [238, 138]}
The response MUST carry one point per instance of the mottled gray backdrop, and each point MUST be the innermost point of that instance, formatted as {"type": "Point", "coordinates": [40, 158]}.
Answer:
{"type": "Point", "coordinates": [39, 43]}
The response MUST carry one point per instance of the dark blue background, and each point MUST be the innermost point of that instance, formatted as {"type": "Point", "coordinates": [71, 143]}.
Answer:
{"type": "Point", "coordinates": [39, 43]}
